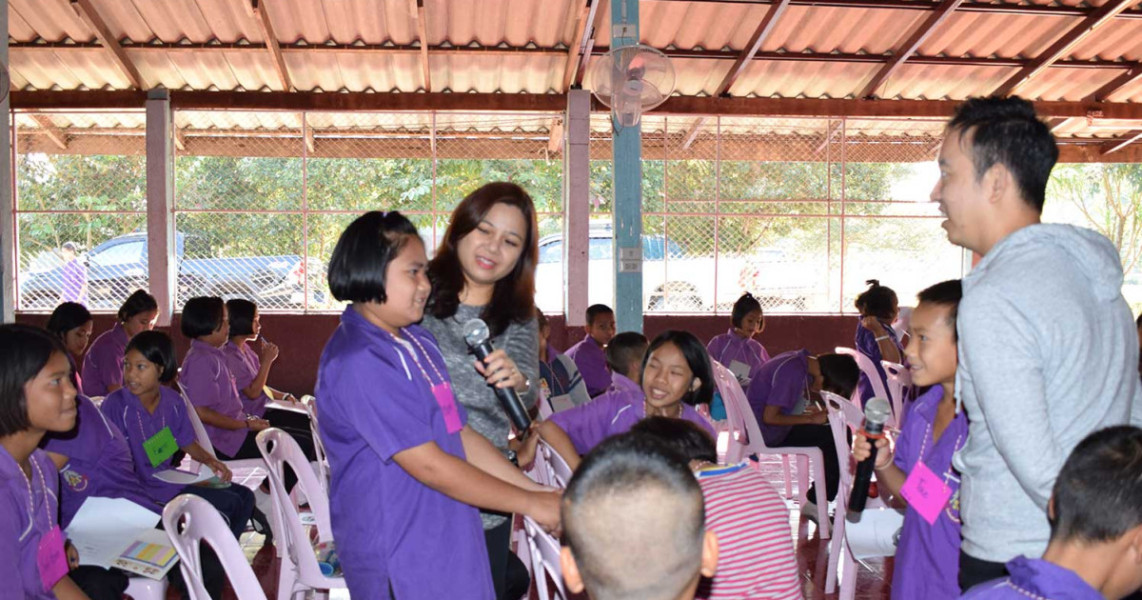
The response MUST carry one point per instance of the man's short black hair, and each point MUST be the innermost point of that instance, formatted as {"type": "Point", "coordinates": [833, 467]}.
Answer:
{"type": "Point", "coordinates": [685, 437]}
{"type": "Point", "coordinates": [948, 294]}
{"type": "Point", "coordinates": [634, 519]}
{"type": "Point", "coordinates": [1098, 495]}
{"type": "Point", "coordinates": [242, 313]}
{"type": "Point", "coordinates": [24, 351]}
{"type": "Point", "coordinates": [156, 347]}
{"type": "Point", "coordinates": [840, 372]}
{"type": "Point", "coordinates": [201, 315]}
{"type": "Point", "coordinates": [596, 310]}
{"type": "Point", "coordinates": [1006, 131]}
{"type": "Point", "coordinates": [625, 351]}
{"type": "Point", "coordinates": [744, 305]}
{"type": "Point", "coordinates": [362, 254]}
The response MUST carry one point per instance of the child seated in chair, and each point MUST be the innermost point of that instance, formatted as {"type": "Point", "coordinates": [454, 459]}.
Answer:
{"type": "Point", "coordinates": [634, 524]}
{"type": "Point", "coordinates": [624, 360]}
{"type": "Point", "coordinates": [927, 555]}
{"type": "Point", "coordinates": [675, 377]}
{"type": "Point", "coordinates": [1095, 512]}
{"type": "Point", "coordinates": [736, 349]}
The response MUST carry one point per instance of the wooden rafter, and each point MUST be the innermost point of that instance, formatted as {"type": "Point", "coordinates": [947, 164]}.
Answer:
{"type": "Point", "coordinates": [584, 32]}
{"type": "Point", "coordinates": [1099, 17]}
{"type": "Point", "coordinates": [108, 40]}
{"type": "Point", "coordinates": [49, 129]}
{"type": "Point", "coordinates": [179, 138]}
{"type": "Point", "coordinates": [555, 141]}
{"type": "Point", "coordinates": [1122, 142]}
{"type": "Point", "coordinates": [262, 16]}
{"type": "Point", "coordinates": [766, 27]}
{"type": "Point", "coordinates": [600, 12]}
{"type": "Point", "coordinates": [1123, 80]}
{"type": "Point", "coordinates": [416, 7]}
{"type": "Point", "coordinates": [921, 33]}
{"type": "Point", "coordinates": [1007, 8]}
{"type": "Point", "coordinates": [832, 132]}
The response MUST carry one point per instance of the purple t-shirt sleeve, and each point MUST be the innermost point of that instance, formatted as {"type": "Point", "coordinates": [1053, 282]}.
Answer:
{"type": "Point", "coordinates": [787, 387]}
{"type": "Point", "coordinates": [10, 561]}
{"type": "Point", "coordinates": [239, 368]}
{"type": "Point", "coordinates": [867, 345]}
{"type": "Point", "coordinates": [103, 365]}
{"type": "Point", "coordinates": [181, 427]}
{"type": "Point", "coordinates": [590, 423]}
{"type": "Point", "coordinates": [716, 347]}
{"type": "Point", "coordinates": [764, 353]}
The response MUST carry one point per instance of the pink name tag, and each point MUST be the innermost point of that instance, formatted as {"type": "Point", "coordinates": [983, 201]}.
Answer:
{"type": "Point", "coordinates": [51, 559]}
{"type": "Point", "coordinates": [447, 402]}
{"type": "Point", "coordinates": [925, 492]}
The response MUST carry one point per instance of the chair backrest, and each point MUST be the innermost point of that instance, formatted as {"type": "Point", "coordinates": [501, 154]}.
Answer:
{"type": "Point", "coordinates": [899, 388]}
{"type": "Point", "coordinates": [545, 558]}
{"type": "Point", "coordinates": [540, 469]}
{"type": "Point", "coordinates": [190, 520]}
{"type": "Point", "coordinates": [544, 404]}
{"type": "Point", "coordinates": [843, 415]}
{"type": "Point", "coordinates": [310, 404]}
{"type": "Point", "coordinates": [279, 449]}
{"type": "Point", "coordinates": [869, 370]}
{"type": "Point", "coordinates": [200, 434]}
{"type": "Point", "coordinates": [744, 432]}
{"type": "Point", "coordinates": [560, 473]}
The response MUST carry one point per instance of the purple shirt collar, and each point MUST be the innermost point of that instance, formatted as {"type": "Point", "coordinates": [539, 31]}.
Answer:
{"type": "Point", "coordinates": [201, 346]}
{"type": "Point", "coordinates": [622, 383]}
{"type": "Point", "coordinates": [1038, 577]}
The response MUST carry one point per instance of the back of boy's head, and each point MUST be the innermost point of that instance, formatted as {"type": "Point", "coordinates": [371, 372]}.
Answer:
{"type": "Point", "coordinates": [625, 351]}
{"type": "Point", "coordinates": [156, 347]}
{"type": "Point", "coordinates": [684, 437]}
{"type": "Point", "coordinates": [840, 372]}
{"type": "Point", "coordinates": [947, 294]}
{"type": "Point", "coordinates": [1098, 495]}
{"type": "Point", "coordinates": [597, 310]}
{"type": "Point", "coordinates": [634, 520]}
{"type": "Point", "coordinates": [877, 301]}
{"type": "Point", "coordinates": [201, 315]}
{"type": "Point", "coordinates": [361, 257]}
{"type": "Point", "coordinates": [745, 305]}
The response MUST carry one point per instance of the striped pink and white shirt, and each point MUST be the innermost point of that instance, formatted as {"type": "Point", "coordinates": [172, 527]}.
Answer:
{"type": "Point", "coordinates": [756, 557]}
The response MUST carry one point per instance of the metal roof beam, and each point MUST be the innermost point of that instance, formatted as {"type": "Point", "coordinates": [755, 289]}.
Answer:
{"type": "Point", "coordinates": [49, 129]}
{"type": "Point", "coordinates": [262, 16]}
{"type": "Point", "coordinates": [1099, 17]}
{"type": "Point", "coordinates": [1122, 142]}
{"type": "Point", "coordinates": [1055, 10]}
{"type": "Point", "coordinates": [584, 33]}
{"type": "Point", "coordinates": [416, 7]}
{"type": "Point", "coordinates": [766, 27]}
{"type": "Point", "coordinates": [87, 13]}
{"type": "Point", "coordinates": [921, 33]}
{"type": "Point", "coordinates": [1123, 80]}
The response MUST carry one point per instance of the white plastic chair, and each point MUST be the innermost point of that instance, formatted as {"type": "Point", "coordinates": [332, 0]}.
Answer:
{"type": "Point", "coordinates": [544, 550]}
{"type": "Point", "coordinates": [544, 404]}
{"type": "Point", "coordinates": [299, 572]}
{"type": "Point", "coordinates": [745, 440]}
{"type": "Point", "coordinates": [869, 370]}
{"type": "Point", "coordinates": [189, 521]}
{"type": "Point", "coordinates": [899, 389]}
{"type": "Point", "coordinates": [145, 588]}
{"type": "Point", "coordinates": [310, 404]}
{"type": "Point", "coordinates": [560, 472]}
{"type": "Point", "coordinates": [203, 440]}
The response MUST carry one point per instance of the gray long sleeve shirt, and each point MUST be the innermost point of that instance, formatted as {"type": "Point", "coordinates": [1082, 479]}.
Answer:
{"type": "Point", "coordinates": [1048, 354]}
{"type": "Point", "coordinates": [485, 414]}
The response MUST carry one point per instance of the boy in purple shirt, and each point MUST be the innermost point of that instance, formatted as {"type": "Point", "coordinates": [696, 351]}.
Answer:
{"type": "Point", "coordinates": [737, 345]}
{"type": "Point", "coordinates": [927, 556]}
{"type": "Point", "coordinates": [588, 354]}
{"type": "Point", "coordinates": [103, 365]}
{"type": "Point", "coordinates": [1095, 512]}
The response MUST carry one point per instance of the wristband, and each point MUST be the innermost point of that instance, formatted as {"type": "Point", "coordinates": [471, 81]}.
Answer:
{"type": "Point", "coordinates": [883, 337]}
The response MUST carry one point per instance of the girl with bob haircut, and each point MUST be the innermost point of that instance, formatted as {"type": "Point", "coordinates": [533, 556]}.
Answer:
{"type": "Point", "coordinates": [676, 377]}
{"type": "Point", "coordinates": [396, 437]}
{"type": "Point", "coordinates": [36, 396]}
{"type": "Point", "coordinates": [737, 345]}
{"type": "Point", "coordinates": [103, 365]}
{"type": "Point", "coordinates": [485, 268]}
{"type": "Point", "coordinates": [875, 338]}
{"type": "Point", "coordinates": [71, 322]}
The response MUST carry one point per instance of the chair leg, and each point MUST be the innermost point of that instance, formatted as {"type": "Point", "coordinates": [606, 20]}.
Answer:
{"type": "Point", "coordinates": [788, 479]}
{"type": "Point", "coordinates": [802, 478]}
{"type": "Point", "coordinates": [836, 548]}
{"type": "Point", "coordinates": [823, 504]}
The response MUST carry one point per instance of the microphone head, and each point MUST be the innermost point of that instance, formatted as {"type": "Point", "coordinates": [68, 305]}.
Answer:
{"type": "Point", "coordinates": [475, 332]}
{"type": "Point", "coordinates": [877, 411]}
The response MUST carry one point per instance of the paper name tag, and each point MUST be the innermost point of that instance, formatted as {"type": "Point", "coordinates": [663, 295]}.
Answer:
{"type": "Point", "coordinates": [160, 446]}
{"type": "Point", "coordinates": [447, 401]}
{"type": "Point", "coordinates": [926, 492]}
{"type": "Point", "coordinates": [51, 558]}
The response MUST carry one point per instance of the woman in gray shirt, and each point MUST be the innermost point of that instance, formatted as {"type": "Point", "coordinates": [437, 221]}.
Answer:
{"type": "Point", "coordinates": [485, 268]}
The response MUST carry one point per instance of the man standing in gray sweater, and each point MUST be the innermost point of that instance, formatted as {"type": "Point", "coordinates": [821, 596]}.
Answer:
{"type": "Point", "coordinates": [1048, 351]}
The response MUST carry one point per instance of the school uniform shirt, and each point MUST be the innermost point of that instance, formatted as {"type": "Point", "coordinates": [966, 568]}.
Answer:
{"type": "Point", "coordinates": [23, 523]}
{"type": "Point", "coordinates": [74, 277]}
{"type": "Point", "coordinates": [126, 412]}
{"type": "Point", "coordinates": [927, 556]}
{"type": "Point", "coordinates": [209, 383]}
{"type": "Point", "coordinates": [623, 384]}
{"type": "Point", "coordinates": [99, 462]}
{"type": "Point", "coordinates": [755, 552]}
{"type": "Point", "coordinates": [592, 364]}
{"type": "Point", "coordinates": [729, 346]}
{"type": "Point", "coordinates": [612, 413]}
{"type": "Point", "coordinates": [244, 365]}
{"type": "Point", "coordinates": [1035, 578]}
{"type": "Point", "coordinates": [866, 344]}
{"type": "Point", "coordinates": [390, 528]}
{"type": "Point", "coordinates": [780, 382]}
{"type": "Point", "coordinates": [103, 365]}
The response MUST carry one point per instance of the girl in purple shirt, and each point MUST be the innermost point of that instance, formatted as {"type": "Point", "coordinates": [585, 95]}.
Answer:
{"type": "Point", "coordinates": [875, 337]}
{"type": "Point", "coordinates": [103, 366]}
{"type": "Point", "coordinates": [676, 377]}
{"type": "Point", "coordinates": [408, 472]}
{"type": "Point", "coordinates": [71, 322]}
{"type": "Point", "coordinates": [737, 345]}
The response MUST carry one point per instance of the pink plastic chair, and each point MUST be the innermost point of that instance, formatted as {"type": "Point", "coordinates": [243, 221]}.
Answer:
{"type": "Point", "coordinates": [190, 521]}
{"type": "Point", "coordinates": [866, 367]}
{"type": "Point", "coordinates": [544, 550]}
{"type": "Point", "coordinates": [145, 588]}
{"type": "Point", "coordinates": [745, 439]}
{"type": "Point", "coordinates": [899, 390]}
{"type": "Point", "coordinates": [310, 404]}
{"type": "Point", "coordinates": [299, 572]}
{"type": "Point", "coordinates": [560, 472]}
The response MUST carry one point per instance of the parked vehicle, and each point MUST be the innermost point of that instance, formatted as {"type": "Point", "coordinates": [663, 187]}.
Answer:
{"type": "Point", "coordinates": [118, 266]}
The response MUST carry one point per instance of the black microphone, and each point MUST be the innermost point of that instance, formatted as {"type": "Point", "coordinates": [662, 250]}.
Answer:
{"type": "Point", "coordinates": [476, 335]}
{"type": "Point", "coordinates": [876, 413]}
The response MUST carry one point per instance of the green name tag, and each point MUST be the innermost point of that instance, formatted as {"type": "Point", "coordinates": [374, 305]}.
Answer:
{"type": "Point", "coordinates": [160, 446]}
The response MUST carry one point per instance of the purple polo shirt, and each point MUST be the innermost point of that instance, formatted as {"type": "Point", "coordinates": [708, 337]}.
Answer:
{"type": "Point", "coordinates": [624, 384]}
{"type": "Point", "coordinates": [927, 556]}
{"type": "Point", "coordinates": [124, 410]}
{"type": "Point", "coordinates": [781, 382]}
{"type": "Point", "coordinates": [729, 346]}
{"type": "Point", "coordinates": [74, 278]}
{"type": "Point", "coordinates": [866, 344]}
{"type": "Point", "coordinates": [612, 413]}
{"type": "Point", "coordinates": [103, 364]}
{"type": "Point", "coordinates": [390, 528]}
{"type": "Point", "coordinates": [1035, 578]}
{"type": "Point", "coordinates": [244, 365]}
{"type": "Point", "coordinates": [209, 383]}
{"type": "Point", "coordinates": [592, 365]}
{"type": "Point", "coordinates": [99, 462]}
{"type": "Point", "coordinates": [21, 531]}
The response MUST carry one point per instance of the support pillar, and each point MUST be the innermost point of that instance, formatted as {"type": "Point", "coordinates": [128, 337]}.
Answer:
{"type": "Point", "coordinates": [162, 259]}
{"type": "Point", "coordinates": [576, 204]}
{"type": "Point", "coordinates": [627, 149]}
{"type": "Point", "coordinates": [8, 225]}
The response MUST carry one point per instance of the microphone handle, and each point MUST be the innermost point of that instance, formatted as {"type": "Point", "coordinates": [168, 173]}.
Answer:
{"type": "Point", "coordinates": [862, 480]}
{"type": "Point", "coordinates": [508, 397]}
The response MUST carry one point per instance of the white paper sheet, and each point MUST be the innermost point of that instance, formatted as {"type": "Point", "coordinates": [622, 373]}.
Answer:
{"type": "Point", "coordinates": [104, 527]}
{"type": "Point", "coordinates": [184, 477]}
{"type": "Point", "coordinates": [875, 533]}
{"type": "Point", "coordinates": [740, 370]}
